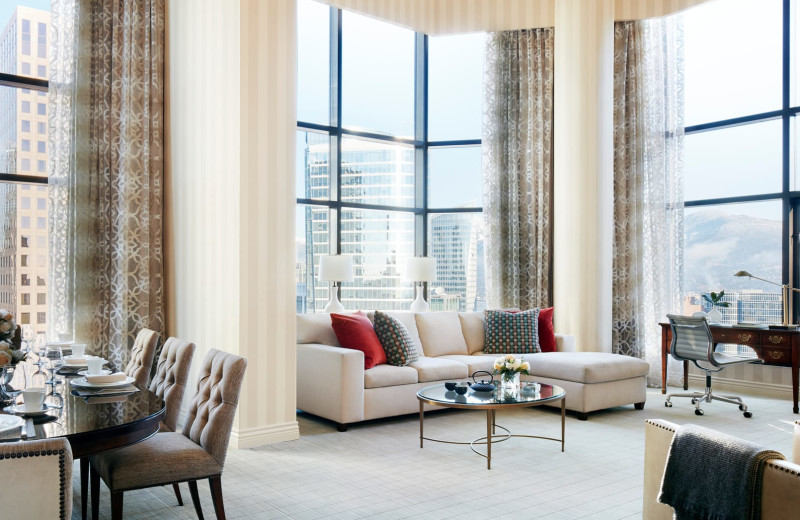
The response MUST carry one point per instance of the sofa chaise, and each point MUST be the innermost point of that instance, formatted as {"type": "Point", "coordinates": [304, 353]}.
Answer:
{"type": "Point", "coordinates": [332, 382]}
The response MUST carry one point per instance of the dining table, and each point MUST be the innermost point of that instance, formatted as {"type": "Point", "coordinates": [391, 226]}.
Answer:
{"type": "Point", "coordinates": [93, 423]}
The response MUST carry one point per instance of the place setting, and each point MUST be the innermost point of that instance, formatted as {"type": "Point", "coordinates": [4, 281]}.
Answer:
{"type": "Point", "coordinates": [95, 381]}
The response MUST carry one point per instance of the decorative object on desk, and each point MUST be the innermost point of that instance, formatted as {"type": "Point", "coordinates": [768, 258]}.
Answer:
{"type": "Point", "coordinates": [715, 299]}
{"type": "Point", "coordinates": [509, 368]}
{"type": "Point", "coordinates": [785, 290]}
{"type": "Point", "coordinates": [483, 385]}
{"type": "Point", "coordinates": [419, 270]}
{"type": "Point", "coordinates": [334, 269]}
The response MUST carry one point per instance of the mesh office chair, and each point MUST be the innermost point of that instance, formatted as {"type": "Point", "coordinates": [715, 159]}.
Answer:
{"type": "Point", "coordinates": [692, 341]}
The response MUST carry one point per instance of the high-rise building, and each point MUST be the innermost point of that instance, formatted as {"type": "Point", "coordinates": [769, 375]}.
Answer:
{"type": "Point", "coordinates": [454, 243]}
{"type": "Point", "coordinates": [23, 140]}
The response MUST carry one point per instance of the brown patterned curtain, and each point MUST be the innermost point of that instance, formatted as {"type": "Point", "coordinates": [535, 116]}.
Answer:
{"type": "Point", "coordinates": [518, 168]}
{"type": "Point", "coordinates": [648, 185]}
{"type": "Point", "coordinates": [106, 171]}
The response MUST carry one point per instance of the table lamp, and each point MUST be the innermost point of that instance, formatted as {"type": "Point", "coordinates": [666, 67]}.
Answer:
{"type": "Point", "coordinates": [420, 269]}
{"type": "Point", "coordinates": [335, 268]}
{"type": "Point", "coordinates": [785, 295]}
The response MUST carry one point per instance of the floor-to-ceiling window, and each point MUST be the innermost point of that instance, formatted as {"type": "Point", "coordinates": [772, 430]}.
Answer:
{"type": "Point", "coordinates": [24, 46]}
{"type": "Point", "coordinates": [741, 176]}
{"type": "Point", "coordinates": [388, 160]}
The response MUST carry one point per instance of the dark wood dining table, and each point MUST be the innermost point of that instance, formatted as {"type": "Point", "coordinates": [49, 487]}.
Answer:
{"type": "Point", "coordinates": [97, 424]}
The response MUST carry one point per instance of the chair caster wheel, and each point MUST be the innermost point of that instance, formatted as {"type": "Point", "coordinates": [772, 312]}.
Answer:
{"type": "Point", "coordinates": [668, 404]}
{"type": "Point", "coordinates": [741, 407]}
{"type": "Point", "coordinates": [698, 411]}
{"type": "Point", "coordinates": [694, 401]}
{"type": "Point", "coordinates": [748, 415]}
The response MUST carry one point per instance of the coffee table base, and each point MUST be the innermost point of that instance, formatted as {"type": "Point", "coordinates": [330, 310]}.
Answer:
{"type": "Point", "coordinates": [491, 430]}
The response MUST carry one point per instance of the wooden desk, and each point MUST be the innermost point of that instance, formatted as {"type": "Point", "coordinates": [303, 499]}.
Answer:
{"type": "Point", "coordinates": [774, 347]}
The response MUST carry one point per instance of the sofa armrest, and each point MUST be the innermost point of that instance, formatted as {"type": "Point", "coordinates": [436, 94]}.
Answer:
{"type": "Point", "coordinates": [796, 443]}
{"type": "Point", "coordinates": [330, 382]}
{"type": "Point", "coordinates": [657, 439]}
{"type": "Point", "coordinates": [565, 343]}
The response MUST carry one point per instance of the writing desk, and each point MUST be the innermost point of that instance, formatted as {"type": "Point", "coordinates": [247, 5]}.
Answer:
{"type": "Point", "coordinates": [773, 347]}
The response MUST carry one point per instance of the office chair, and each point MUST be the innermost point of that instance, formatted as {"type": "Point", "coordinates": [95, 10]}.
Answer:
{"type": "Point", "coordinates": [692, 341]}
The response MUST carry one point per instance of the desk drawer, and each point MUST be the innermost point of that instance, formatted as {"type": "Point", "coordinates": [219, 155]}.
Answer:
{"type": "Point", "coordinates": [776, 355]}
{"type": "Point", "coordinates": [777, 338]}
{"type": "Point", "coordinates": [748, 337]}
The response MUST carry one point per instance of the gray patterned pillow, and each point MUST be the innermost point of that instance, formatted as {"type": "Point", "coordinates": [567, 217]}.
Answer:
{"type": "Point", "coordinates": [511, 332]}
{"type": "Point", "coordinates": [395, 339]}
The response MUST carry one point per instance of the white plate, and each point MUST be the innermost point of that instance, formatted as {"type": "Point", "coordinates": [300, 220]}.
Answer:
{"type": "Point", "coordinates": [78, 365]}
{"type": "Point", "coordinates": [9, 422]}
{"type": "Point", "coordinates": [83, 383]}
{"type": "Point", "coordinates": [19, 410]}
{"type": "Point", "coordinates": [103, 372]}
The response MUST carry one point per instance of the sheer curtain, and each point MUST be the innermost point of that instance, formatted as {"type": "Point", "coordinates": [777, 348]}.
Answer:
{"type": "Point", "coordinates": [106, 171]}
{"type": "Point", "coordinates": [648, 187]}
{"type": "Point", "coordinates": [518, 167]}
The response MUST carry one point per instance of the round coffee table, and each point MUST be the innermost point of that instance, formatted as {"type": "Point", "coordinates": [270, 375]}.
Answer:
{"type": "Point", "coordinates": [438, 395]}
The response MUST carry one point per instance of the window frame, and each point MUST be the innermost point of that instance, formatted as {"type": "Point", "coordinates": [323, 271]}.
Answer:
{"type": "Point", "coordinates": [335, 133]}
{"type": "Point", "coordinates": [23, 82]}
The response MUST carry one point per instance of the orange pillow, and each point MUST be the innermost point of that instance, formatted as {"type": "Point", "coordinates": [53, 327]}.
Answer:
{"type": "Point", "coordinates": [354, 331]}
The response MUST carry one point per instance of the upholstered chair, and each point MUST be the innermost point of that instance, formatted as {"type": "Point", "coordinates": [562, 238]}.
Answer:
{"type": "Point", "coordinates": [144, 349]}
{"type": "Point", "coordinates": [169, 383]}
{"type": "Point", "coordinates": [36, 479]}
{"type": "Point", "coordinates": [196, 453]}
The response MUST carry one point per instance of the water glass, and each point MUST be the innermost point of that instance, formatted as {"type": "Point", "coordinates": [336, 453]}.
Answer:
{"type": "Point", "coordinates": [55, 356]}
{"type": "Point", "coordinates": [40, 347]}
{"type": "Point", "coordinates": [13, 380]}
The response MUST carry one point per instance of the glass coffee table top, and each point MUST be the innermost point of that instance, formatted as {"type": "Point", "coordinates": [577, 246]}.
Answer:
{"type": "Point", "coordinates": [527, 395]}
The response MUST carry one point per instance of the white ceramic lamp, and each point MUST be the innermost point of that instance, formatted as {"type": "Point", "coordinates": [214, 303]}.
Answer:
{"type": "Point", "coordinates": [335, 268]}
{"type": "Point", "coordinates": [420, 269]}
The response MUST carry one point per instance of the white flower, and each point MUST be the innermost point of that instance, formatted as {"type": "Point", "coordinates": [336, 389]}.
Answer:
{"type": "Point", "coordinates": [5, 326]}
{"type": "Point", "coordinates": [5, 345]}
{"type": "Point", "coordinates": [509, 357]}
{"type": "Point", "coordinates": [5, 358]}
{"type": "Point", "coordinates": [525, 366]}
{"type": "Point", "coordinates": [516, 364]}
{"type": "Point", "coordinates": [498, 364]}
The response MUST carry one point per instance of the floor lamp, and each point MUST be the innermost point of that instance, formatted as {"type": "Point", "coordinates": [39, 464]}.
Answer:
{"type": "Point", "coordinates": [334, 269]}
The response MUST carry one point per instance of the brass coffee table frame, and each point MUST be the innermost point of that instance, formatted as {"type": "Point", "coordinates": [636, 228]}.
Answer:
{"type": "Point", "coordinates": [491, 424]}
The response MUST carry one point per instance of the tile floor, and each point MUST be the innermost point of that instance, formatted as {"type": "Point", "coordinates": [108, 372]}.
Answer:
{"type": "Point", "coordinates": [377, 470]}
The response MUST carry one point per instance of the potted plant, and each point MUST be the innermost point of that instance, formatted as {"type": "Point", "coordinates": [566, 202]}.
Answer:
{"type": "Point", "coordinates": [715, 299]}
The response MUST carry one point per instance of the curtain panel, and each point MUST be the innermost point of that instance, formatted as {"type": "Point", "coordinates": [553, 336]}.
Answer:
{"type": "Point", "coordinates": [106, 171]}
{"type": "Point", "coordinates": [648, 185]}
{"type": "Point", "coordinates": [517, 166]}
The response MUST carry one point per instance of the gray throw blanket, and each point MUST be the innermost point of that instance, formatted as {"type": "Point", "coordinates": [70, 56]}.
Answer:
{"type": "Point", "coordinates": [710, 475]}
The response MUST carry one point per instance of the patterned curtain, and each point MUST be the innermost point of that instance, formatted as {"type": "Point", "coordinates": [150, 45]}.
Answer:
{"type": "Point", "coordinates": [106, 171]}
{"type": "Point", "coordinates": [648, 187]}
{"type": "Point", "coordinates": [518, 167]}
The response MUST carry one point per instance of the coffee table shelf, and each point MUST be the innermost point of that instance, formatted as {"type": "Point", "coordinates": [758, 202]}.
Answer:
{"type": "Point", "coordinates": [438, 395]}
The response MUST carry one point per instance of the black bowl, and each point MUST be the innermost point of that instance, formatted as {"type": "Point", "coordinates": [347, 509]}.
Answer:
{"type": "Point", "coordinates": [461, 390]}
{"type": "Point", "coordinates": [450, 385]}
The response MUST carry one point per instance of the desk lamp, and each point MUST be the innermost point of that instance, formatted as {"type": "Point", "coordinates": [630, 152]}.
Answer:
{"type": "Point", "coordinates": [785, 296]}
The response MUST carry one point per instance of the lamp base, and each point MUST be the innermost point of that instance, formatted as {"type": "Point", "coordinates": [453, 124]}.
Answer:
{"type": "Point", "coordinates": [419, 304]}
{"type": "Point", "coordinates": [334, 305]}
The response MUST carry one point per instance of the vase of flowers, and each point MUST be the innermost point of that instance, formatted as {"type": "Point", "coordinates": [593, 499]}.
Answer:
{"type": "Point", "coordinates": [10, 354]}
{"type": "Point", "coordinates": [715, 299]}
{"type": "Point", "coordinates": [509, 369]}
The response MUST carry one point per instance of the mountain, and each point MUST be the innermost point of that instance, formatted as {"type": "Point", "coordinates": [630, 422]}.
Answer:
{"type": "Point", "coordinates": [719, 243]}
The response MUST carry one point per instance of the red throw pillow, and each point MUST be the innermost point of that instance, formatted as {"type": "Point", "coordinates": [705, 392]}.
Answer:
{"type": "Point", "coordinates": [547, 334]}
{"type": "Point", "coordinates": [355, 331]}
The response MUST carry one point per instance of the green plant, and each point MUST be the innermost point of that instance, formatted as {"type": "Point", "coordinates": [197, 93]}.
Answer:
{"type": "Point", "coordinates": [715, 299]}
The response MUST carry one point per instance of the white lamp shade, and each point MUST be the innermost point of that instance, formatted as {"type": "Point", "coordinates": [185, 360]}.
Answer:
{"type": "Point", "coordinates": [421, 269]}
{"type": "Point", "coordinates": [336, 268]}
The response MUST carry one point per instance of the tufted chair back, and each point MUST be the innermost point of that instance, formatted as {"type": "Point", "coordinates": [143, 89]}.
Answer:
{"type": "Point", "coordinates": [36, 479]}
{"type": "Point", "coordinates": [144, 348]}
{"type": "Point", "coordinates": [211, 413]}
{"type": "Point", "coordinates": [172, 371]}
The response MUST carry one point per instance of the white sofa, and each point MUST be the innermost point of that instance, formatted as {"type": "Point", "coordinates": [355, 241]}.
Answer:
{"type": "Point", "coordinates": [781, 480]}
{"type": "Point", "coordinates": [332, 382]}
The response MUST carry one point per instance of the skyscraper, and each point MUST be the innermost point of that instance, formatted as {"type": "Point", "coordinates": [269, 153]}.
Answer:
{"type": "Point", "coordinates": [454, 239]}
{"type": "Point", "coordinates": [23, 141]}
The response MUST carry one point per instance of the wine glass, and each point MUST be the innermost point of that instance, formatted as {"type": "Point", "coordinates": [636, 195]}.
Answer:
{"type": "Point", "coordinates": [39, 378]}
{"type": "Point", "coordinates": [13, 381]}
{"type": "Point", "coordinates": [40, 347]}
{"type": "Point", "coordinates": [56, 358]}
{"type": "Point", "coordinates": [28, 333]}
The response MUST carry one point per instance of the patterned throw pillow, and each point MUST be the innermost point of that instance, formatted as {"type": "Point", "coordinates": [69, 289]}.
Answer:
{"type": "Point", "coordinates": [397, 343]}
{"type": "Point", "coordinates": [511, 332]}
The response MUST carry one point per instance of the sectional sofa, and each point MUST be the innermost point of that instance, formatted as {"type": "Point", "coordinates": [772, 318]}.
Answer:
{"type": "Point", "coordinates": [332, 382]}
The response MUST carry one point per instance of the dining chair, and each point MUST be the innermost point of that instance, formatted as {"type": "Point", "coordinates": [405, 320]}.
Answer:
{"type": "Point", "coordinates": [142, 354]}
{"type": "Point", "coordinates": [196, 453]}
{"type": "Point", "coordinates": [36, 479]}
{"type": "Point", "coordinates": [169, 383]}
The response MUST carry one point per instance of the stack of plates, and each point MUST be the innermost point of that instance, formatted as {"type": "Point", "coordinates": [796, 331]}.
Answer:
{"type": "Point", "coordinates": [83, 383]}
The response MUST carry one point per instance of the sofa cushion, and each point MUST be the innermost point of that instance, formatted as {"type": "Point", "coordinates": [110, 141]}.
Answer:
{"type": "Point", "coordinates": [511, 332]}
{"type": "Point", "coordinates": [438, 369]}
{"type": "Point", "coordinates": [440, 333]}
{"type": "Point", "coordinates": [473, 329]}
{"type": "Point", "coordinates": [388, 375]}
{"type": "Point", "coordinates": [316, 328]}
{"type": "Point", "coordinates": [354, 331]}
{"type": "Point", "coordinates": [406, 318]}
{"type": "Point", "coordinates": [397, 343]}
{"type": "Point", "coordinates": [586, 367]}
{"type": "Point", "coordinates": [474, 363]}
{"type": "Point", "coordinates": [547, 334]}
